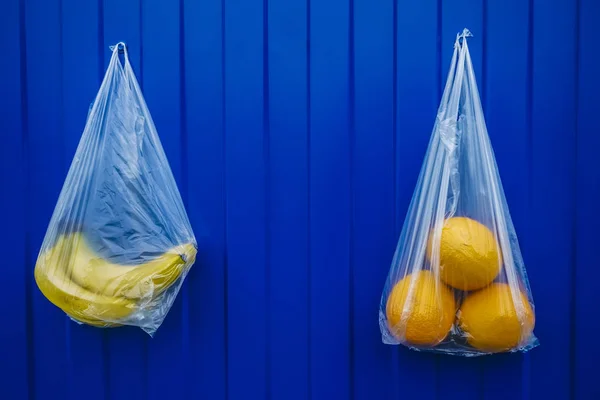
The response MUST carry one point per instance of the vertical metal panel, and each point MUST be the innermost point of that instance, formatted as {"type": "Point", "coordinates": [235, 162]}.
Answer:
{"type": "Point", "coordinates": [15, 300]}
{"type": "Point", "coordinates": [288, 205]}
{"type": "Point", "coordinates": [205, 366]}
{"type": "Point", "coordinates": [246, 159]}
{"type": "Point", "coordinates": [45, 152]}
{"type": "Point", "coordinates": [551, 230]}
{"type": "Point", "coordinates": [372, 241]}
{"type": "Point", "coordinates": [586, 355]}
{"type": "Point", "coordinates": [330, 227]}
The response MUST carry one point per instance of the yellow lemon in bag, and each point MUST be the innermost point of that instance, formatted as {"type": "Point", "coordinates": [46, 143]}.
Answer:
{"type": "Point", "coordinates": [492, 322]}
{"type": "Point", "coordinates": [430, 313]}
{"type": "Point", "coordinates": [470, 257]}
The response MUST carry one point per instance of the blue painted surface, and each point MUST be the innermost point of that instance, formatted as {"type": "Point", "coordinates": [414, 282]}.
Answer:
{"type": "Point", "coordinates": [296, 130]}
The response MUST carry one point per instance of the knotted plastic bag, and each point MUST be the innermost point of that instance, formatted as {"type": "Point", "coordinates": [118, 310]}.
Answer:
{"type": "Point", "coordinates": [119, 244]}
{"type": "Point", "coordinates": [457, 283]}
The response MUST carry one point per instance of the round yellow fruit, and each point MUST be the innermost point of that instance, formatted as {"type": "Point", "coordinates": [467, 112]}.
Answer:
{"type": "Point", "coordinates": [431, 313]}
{"type": "Point", "coordinates": [492, 323]}
{"type": "Point", "coordinates": [469, 254]}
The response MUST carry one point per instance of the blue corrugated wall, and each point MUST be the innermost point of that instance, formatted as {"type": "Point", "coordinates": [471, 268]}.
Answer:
{"type": "Point", "coordinates": [296, 130]}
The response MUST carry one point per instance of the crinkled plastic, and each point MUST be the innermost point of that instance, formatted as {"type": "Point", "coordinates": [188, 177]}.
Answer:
{"type": "Point", "coordinates": [457, 283]}
{"type": "Point", "coordinates": [119, 244]}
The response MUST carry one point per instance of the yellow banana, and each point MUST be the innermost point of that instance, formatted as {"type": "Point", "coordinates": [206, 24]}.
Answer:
{"type": "Point", "coordinates": [52, 275]}
{"type": "Point", "coordinates": [137, 282]}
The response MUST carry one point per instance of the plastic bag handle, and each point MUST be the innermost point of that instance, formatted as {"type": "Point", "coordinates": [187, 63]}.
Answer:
{"type": "Point", "coordinates": [121, 48]}
{"type": "Point", "coordinates": [462, 35]}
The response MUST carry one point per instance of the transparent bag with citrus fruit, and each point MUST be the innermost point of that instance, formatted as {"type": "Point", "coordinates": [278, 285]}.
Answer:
{"type": "Point", "coordinates": [119, 243]}
{"type": "Point", "coordinates": [457, 283]}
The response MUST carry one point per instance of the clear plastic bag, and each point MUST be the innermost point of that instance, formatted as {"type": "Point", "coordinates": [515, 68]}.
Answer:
{"type": "Point", "coordinates": [457, 283]}
{"type": "Point", "coordinates": [119, 244]}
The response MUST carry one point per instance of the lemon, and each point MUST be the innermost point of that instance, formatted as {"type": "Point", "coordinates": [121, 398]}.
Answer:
{"type": "Point", "coordinates": [492, 323]}
{"type": "Point", "coordinates": [431, 310]}
{"type": "Point", "coordinates": [469, 254]}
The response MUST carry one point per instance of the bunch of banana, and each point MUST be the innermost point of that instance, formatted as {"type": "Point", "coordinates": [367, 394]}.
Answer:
{"type": "Point", "coordinates": [93, 290]}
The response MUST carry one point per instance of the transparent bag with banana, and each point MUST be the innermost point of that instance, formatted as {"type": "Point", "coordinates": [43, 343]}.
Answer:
{"type": "Point", "coordinates": [119, 244]}
{"type": "Point", "coordinates": [457, 283]}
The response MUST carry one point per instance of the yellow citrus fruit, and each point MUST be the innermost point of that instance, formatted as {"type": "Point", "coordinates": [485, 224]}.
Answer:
{"type": "Point", "coordinates": [469, 254]}
{"type": "Point", "coordinates": [492, 323]}
{"type": "Point", "coordinates": [431, 309]}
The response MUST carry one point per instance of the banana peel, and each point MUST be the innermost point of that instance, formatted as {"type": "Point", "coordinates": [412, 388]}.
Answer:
{"type": "Point", "coordinates": [52, 277]}
{"type": "Point", "coordinates": [137, 282]}
{"type": "Point", "coordinates": [95, 291]}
